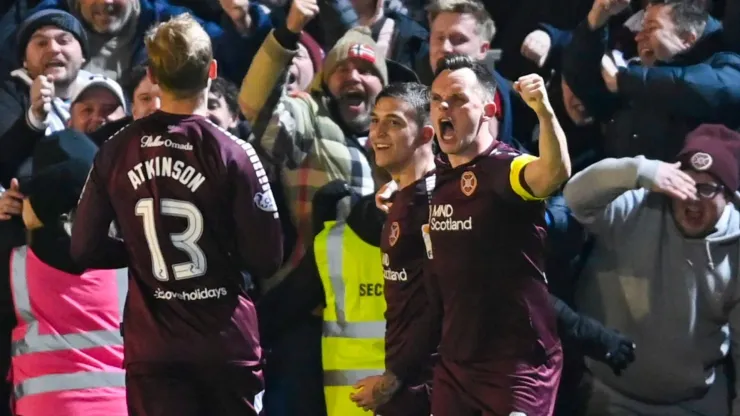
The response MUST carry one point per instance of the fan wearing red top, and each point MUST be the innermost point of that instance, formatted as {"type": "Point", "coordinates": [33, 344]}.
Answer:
{"type": "Point", "coordinates": [499, 352]}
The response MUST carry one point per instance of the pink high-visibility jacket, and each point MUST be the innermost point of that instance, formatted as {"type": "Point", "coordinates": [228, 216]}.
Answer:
{"type": "Point", "coordinates": [67, 351]}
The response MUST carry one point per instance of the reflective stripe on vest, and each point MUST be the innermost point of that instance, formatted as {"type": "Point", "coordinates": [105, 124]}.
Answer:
{"type": "Point", "coordinates": [74, 381]}
{"type": "Point", "coordinates": [353, 344]}
{"type": "Point", "coordinates": [33, 342]}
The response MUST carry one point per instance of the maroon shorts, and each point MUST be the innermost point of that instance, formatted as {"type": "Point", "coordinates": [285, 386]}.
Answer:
{"type": "Point", "coordinates": [411, 401]}
{"type": "Point", "coordinates": [197, 391]}
{"type": "Point", "coordinates": [488, 389]}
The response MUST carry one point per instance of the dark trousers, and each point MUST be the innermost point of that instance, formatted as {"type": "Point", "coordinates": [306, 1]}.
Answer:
{"type": "Point", "coordinates": [293, 372]}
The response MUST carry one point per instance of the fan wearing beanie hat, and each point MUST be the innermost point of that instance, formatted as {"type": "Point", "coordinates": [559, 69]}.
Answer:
{"type": "Point", "coordinates": [52, 45]}
{"type": "Point", "coordinates": [354, 73]}
{"type": "Point", "coordinates": [44, 27]}
{"type": "Point", "coordinates": [305, 65]}
{"type": "Point", "coordinates": [663, 271]}
{"type": "Point", "coordinates": [60, 165]}
{"type": "Point", "coordinates": [711, 157]}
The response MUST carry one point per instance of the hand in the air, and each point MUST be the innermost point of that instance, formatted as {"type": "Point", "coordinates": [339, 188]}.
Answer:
{"type": "Point", "coordinates": [301, 13]}
{"type": "Point", "coordinates": [533, 91]}
{"type": "Point", "coordinates": [536, 47]}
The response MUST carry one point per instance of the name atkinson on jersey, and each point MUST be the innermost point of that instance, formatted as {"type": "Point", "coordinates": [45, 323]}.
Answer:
{"type": "Point", "coordinates": [165, 166]}
{"type": "Point", "coordinates": [442, 218]}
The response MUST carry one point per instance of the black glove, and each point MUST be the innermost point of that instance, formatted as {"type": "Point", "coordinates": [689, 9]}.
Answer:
{"type": "Point", "coordinates": [610, 347]}
{"type": "Point", "coordinates": [325, 202]}
{"type": "Point", "coordinates": [597, 342]}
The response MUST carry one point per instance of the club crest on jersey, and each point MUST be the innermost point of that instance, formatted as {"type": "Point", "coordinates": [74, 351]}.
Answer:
{"type": "Point", "coordinates": [394, 234]}
{"type": "Point", "coordinates": [701, 161]}
{"type": "Point", "coordinates": [361, 51]}
{"type": "Point", "coordinates": [468, 183]}
{"type": "Point", "coordinates": [386, 260]}
{"type": "Point", "coordinates": [265, 201]}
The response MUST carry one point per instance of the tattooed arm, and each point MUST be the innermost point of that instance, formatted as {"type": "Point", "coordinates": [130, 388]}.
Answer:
{"type": "Point", "coordinates": [375, 391]}
{"type": "Point", "coordinates": [388, 385]}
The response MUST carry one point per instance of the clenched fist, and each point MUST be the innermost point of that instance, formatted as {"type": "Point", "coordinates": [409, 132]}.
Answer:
{"type": "Point", "coordinates": [532, 89]}
{"type": "Point", "coordinates": [536, 47]}
{"type": "Point", "coordinates": [301, 12]}
{"type": "Point", "coordinates": [42, 93]}
{"type": "Point", "coordinates": [602, 10]}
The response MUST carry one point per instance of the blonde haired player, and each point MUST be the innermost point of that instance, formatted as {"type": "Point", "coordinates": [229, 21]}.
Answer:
{"type": "Point", "coordinates": [195, 212]}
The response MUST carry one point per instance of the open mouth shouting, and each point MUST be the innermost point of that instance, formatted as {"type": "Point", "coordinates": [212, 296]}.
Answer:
{"type": "Point", "coordinates": [446, 129]}
{"type": "Point", "coordinates": [694, 214]}
{"type": "Point", "coordinates": [55, 64]}
{"type": "Point", "coordinates": [354, 100]}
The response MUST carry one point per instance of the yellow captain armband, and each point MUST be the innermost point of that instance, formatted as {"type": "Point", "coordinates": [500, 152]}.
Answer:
{"type": "Point", "coordinates": [515, 177]}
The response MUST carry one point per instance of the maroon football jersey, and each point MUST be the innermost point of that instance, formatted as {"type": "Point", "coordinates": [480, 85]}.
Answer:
{"type": "Point", "coordinates": [410, 339]}
{"type": "Point", "coordinates": [194, 208]}
{"type": "Point", "coordinates": [487, 260]}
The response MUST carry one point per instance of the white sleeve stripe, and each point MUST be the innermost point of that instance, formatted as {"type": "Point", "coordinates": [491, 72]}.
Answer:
{"type": "Point", "coordinates": [251, 153]}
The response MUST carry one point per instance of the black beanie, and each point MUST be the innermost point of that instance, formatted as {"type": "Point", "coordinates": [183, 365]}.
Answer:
{"type": "Point", "coordinates": [50, 17]}
{"type": "Point", "coordinates": [60, 165]}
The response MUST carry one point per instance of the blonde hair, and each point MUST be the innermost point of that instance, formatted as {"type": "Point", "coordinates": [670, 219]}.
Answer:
{"type": "Point", "coordinates": [180, 56]}
{"type": "Point", "coordinates": [486, 29]}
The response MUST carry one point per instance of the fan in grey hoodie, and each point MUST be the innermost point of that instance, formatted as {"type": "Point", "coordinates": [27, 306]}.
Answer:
{"type": "Point", "coordinates": [664, 271]}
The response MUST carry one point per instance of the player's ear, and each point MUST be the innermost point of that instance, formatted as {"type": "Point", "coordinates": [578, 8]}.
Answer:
{"type": "Point", "coordinates": [489, 110]}
{"type": "Point", "coordinates": [427, 134]}
{"type": "Point", "coordinates": [213, 70]}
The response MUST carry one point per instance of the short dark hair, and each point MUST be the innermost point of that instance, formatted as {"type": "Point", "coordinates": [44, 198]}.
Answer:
{"type": "Point", "coordinates": [688, 15]}
{"type": "Point", "coordinates": [453, 62]}
{"type": "Point", "coordinates": [222, 87]}
{"type": "Point", "coordinates": [132, 80]}
{"type": "Point", "coordinates": [412, 93]}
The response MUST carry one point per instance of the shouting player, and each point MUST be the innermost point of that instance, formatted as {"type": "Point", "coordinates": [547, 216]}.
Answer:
{"type": "Point", "coordinates": [195, 210]}
{"type": "Point", "coordinates": [499, 352]}
{"type": "Point", "coordinates": [401, 135]}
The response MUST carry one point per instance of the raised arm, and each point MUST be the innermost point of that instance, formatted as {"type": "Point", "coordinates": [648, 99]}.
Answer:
{"type": "Point", "coordinates": [544, 175]}
{"type": "Point", "coordinates": [279, 123]}
{"type": "Point", "coordinates": [605, 195]}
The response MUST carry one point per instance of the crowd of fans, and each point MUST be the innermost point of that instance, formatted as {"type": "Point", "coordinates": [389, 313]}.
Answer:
{"type": "Point", "coordinates": [634, 84]}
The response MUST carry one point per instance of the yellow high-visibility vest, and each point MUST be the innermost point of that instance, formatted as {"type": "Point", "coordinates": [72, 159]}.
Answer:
{"type": "Point", "coordinates": [353, 342]}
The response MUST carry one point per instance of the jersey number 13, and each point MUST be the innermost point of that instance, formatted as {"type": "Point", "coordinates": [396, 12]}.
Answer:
{"type": "Point", "coordinates": [186, 241]}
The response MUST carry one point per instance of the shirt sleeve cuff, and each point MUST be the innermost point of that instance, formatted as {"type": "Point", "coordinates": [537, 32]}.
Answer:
{"type": "Point", "coordinates": [515, 177]}
{"type": "Point", "coordinates": [34, 122]}
{"type": "Point", "coordinates": [286, 38]}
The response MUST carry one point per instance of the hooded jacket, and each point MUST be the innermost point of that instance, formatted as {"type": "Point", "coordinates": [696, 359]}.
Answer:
{"type": "Point", "coordinates": [676, 297]}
